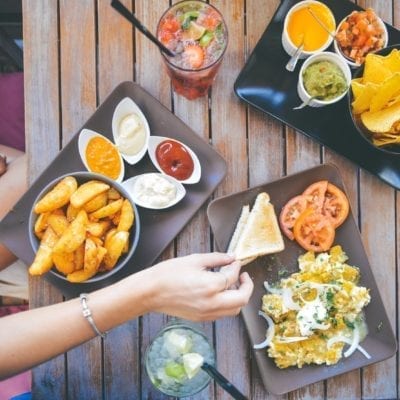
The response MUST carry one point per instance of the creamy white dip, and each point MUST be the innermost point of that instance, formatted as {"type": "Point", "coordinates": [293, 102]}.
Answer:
{"type": "Point", "coordinates": [131, 135]}
{"type": "Point", "coordinates": [154, 190]}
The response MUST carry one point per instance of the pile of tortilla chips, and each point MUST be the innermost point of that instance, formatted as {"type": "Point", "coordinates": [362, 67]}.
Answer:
{"type": "Point", "coordinates": [377, 97]}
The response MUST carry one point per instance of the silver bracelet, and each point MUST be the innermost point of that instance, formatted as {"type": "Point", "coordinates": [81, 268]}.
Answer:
{"type": "Point", "coordinates": [88, 315]}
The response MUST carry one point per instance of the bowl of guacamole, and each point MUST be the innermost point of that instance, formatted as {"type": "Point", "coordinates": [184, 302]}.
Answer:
{"type": "Point", "coordinates": [324, 79]}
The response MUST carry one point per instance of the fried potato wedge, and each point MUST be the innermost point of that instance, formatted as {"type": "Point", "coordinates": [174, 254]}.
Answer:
{"type": "Point", "coordinates": [64, 262]}
{"type": "Point", "coordinates": [114, 245]}
{"type": "Point", "coordinates": [98, 229]}
{"type": "Point", "coordinates": [106, 211]}
{"type": "Point", "coordinates": [43, 260]}
{"type": "Point", "coordinates": [41, 224]}
{"type": "Point", "coordinates": [127, 216]}
{"type": "Point", "coordinates": [74, 235]}
{"type": "Point", "coordinates": [79, 257]}
{"type": "Point", "coordinates": [58, 222]}
{"type": "Point", "coordinates": [80, 276]}
{"type": "Point", "coordinates": [87, 191]}
{"type": "Point", "coordinates": [96, 203]}
{"type": "Point", "coordinates": [58, 197]}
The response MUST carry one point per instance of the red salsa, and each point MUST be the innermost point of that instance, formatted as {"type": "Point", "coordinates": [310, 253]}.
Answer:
{"type": "Point", "coordinates": [174, 159]}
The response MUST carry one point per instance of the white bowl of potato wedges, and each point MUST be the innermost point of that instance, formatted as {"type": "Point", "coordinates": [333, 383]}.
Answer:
{"type": "Point", "coordinates": [83, 227]}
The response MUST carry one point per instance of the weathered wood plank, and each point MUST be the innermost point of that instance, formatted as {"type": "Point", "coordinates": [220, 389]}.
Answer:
{"type": "Point", "coordinates": [379, 380]}
{"type": "Point", "coordinates": [150, 75]}
{"type": "Point", "coordinates": [115, 65]}
{"type": "Point", "coordinates": [265, 144]}
{"type": "Point", "coordinates": [42, 144]}
{"type": "Point", "coordinates": [228, 121]}
{"type": "Point", "coordinates": [78, 102]}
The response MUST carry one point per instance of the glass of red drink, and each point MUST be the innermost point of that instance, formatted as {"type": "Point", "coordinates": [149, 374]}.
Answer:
{"type": "Point", "coordinates": [196, 32]}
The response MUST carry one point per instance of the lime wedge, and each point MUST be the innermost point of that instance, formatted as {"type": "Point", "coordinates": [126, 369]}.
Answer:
{"type": "Point", "coordinates": [192, 363]}
{"type": "Point", "coordinates": [175, 370]}
{"type": "Point", "coordinates": [194, 32]}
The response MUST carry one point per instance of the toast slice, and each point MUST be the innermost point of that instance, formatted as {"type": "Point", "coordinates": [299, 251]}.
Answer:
{"type": "Point", "coordinates": [257, 232]}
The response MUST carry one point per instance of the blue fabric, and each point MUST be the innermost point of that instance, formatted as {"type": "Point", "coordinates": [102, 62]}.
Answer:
{"type": "Point", "coordinates": [23, 396]}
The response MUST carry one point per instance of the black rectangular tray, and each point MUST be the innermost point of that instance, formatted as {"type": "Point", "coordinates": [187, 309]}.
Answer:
{"type": "Point", "coordinates": [157, 227]}
{"type": "Point", "coordinates": [265, 84]}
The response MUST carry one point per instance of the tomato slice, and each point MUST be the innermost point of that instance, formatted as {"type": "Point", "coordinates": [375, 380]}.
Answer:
{"type": "Point", "coordinates": [316, 194]}
{"type": "Point", "coordinates": [290, 212]}
{"type": "Point", "coordinates": [314, 231]}
{"type": "Point", "coordinates": [336, 206]}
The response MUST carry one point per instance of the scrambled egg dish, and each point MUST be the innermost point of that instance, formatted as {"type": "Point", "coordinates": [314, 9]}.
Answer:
{"type": "Point", "coordinates": [314, 313]}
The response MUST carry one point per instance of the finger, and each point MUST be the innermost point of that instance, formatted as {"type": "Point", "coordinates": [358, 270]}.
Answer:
{"type": "Point", "coordinates": [211, 260]}
{"type": "Point", "coordinates": [231, 272]}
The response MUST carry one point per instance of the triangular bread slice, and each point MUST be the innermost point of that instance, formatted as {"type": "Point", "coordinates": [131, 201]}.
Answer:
{"type": "Point", "coordinates": [261, 234]}
{"type": "Point", "coordinates": [244, 215]}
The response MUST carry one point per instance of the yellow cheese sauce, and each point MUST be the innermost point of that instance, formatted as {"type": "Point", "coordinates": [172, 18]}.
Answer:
{"type": "Point", "coordinates": [102, 157]}
{"type": "Point", "coordinates": [302, 25]}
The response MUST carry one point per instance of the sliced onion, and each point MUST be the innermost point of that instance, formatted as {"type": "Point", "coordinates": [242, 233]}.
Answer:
{"type": "Point", "coordinates": [290, 339]}
{"type": "Point", "coordinates": [270, 331]}
{"type": "Point", "coordinates": [350, 342]}
{"type": "Point", "coordinates": [271, 289]}
{"type": "Point", "coordinates": [354, 342]}
{"type": "Point", "coordinates": [287, 297]}
{"type": "Point", "coordinates": [322, 327]}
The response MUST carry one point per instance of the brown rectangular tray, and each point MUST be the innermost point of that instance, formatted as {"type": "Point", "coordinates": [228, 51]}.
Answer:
{"type": "Point", "coordinates": [158, 228]}
{"type": "Point", "coordinates": [380, 343]}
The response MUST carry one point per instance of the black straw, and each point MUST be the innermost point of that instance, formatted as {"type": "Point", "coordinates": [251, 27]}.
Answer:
{"type": "Point", "coordinates": [223, 382]}
{"type": "Point", "coordinates": [131, 18]}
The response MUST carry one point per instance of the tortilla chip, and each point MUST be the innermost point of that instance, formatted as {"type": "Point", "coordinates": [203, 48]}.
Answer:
{"type": "Point", "coordinates": [385, 93]}
{"type": "Point", "coordinates": [386, 138]}
{"type": "Point", "coordinates": [383, 120]}
{"type": "Point", "coordinates": [392, 61]}
{"type": "Point", "coordinates": [363, 100]}
{"type": "Point", "coordinates": [375, 70]}
{"type": "Point", "coordinates": [357, 87]}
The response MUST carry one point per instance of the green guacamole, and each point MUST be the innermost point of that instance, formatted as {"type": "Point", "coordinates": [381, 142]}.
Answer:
{"type": "Point", "coordinates": [324, 80]}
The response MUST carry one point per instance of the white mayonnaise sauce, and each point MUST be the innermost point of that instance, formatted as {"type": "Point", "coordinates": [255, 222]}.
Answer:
{"type": "Point", "coordinates": [131, 136]}
{"type": "Point", "coordinates": [154, 190]}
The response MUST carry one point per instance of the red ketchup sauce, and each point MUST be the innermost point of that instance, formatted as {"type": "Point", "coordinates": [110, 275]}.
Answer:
{"type": "Point", "coordinates": [174, 159]}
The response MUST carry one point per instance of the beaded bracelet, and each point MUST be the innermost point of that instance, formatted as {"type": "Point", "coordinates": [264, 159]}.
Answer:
{"type": "Point", "coordinates": [88, 315]}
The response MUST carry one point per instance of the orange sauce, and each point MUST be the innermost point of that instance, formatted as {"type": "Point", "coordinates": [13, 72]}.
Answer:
{"type": "Point", "coordinates": [102, 157]}
{"type": "Point", "coordinates": [302, 25]}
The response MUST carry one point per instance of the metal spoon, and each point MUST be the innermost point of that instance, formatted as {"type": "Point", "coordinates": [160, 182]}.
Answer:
{"type": "Point", "coordinates": [331, 34]}
{"type": "Point", "coordinates": [307, 102]}
{"type": "Point", "coordinates": [291, 65]}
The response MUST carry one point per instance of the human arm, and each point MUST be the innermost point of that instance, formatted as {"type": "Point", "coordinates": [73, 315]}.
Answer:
{"type": "Point", "coordinates": [13, 184]}
{"type": "Point", "coordinates": [32, 337]}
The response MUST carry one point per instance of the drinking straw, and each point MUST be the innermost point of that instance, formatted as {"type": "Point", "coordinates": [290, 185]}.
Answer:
{"type": "Point", "coordinates": [131, 18]}
{"type": "Point", "coordinates": [223, 382]}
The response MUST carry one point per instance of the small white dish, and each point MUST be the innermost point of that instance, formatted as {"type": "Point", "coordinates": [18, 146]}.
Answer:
{"type": "Point", "coordinates": [125, 108]}
{"type": "Point", "coordinates": [288, 45]}
{"type": "Point", "coordinates": [150, 190]}
{"type": "Point", "coordinates": [84, 137]}
{"type": "Point", "coordinates": [154, 141]}
{"type": "Point", "coordinates": [339, 51]}
{"type": "Point", "coordinates": [324, 56]}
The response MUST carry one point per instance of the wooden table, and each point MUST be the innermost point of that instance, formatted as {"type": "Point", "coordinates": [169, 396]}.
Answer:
{"type": "Point", "coordinates": [75, 53]}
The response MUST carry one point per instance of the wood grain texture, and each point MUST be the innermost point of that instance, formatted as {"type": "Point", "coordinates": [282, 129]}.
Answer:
{"type": "Point", "coordinates": [115, 65]}
{"type": "Point", "coordinates": [74, 57]}
{"type": "Point", "coordinates": [42, 134]}
{"type": "Point", "coordinates": [379, 380]}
